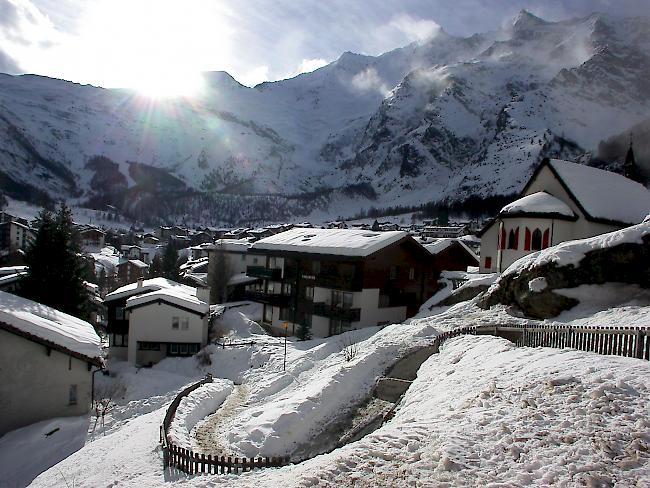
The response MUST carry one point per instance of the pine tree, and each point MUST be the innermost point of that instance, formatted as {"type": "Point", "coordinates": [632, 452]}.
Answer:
{"type": "Point", "coordinates": [170, 266]}
{"type": "Point", "coordinates": [630, 168]}
{"type": "Point", "coordinates": [156, 267]}
{"type": "Point", "coordinates": [56, 269]}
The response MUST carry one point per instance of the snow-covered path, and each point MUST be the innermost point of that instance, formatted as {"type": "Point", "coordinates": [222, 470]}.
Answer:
{"type": "Point", "coordinates": [205, 438]}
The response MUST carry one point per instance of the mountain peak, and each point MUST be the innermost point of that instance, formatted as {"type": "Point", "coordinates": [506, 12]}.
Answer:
{"type": "Point", "coordinates": [526, 20]}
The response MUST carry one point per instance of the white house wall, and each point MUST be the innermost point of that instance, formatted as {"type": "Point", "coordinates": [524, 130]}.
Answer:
{"type": "Point", "coordinates": [153, 323]}
{"type": "Point", "coordinates": [36, 386]}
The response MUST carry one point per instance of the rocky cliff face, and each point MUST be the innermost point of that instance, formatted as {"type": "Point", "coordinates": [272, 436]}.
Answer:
{"type": "Point", "coordinates": [444, 118]}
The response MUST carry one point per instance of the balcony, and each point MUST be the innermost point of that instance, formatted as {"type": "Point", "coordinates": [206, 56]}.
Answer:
{"type": "Point", "coordinates": [272, 274]}
{"type": "Point", "coordinates": [341, 282]}
{"type": "Point", "coordinates": [337, 312]}
{"type": "Point", "coordinates": [273, 299]}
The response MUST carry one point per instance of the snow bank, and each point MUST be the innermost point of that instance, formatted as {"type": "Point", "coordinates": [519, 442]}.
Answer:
{"type": "Point", "coordinates": [194, 407]}
{"type": "Point", "coordinates": [571, 252]}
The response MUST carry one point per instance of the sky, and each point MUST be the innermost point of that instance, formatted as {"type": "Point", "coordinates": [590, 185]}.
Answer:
{"type": "Point", "coordinates": [149, 44]}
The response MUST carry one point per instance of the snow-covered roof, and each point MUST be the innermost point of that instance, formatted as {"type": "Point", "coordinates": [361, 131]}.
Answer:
{"type": "Point", "coordinates": [236, 245]}
{"type": "Point", "coordinates": [173, 296]}
{"type": "Point", "coordinates": [538, 203]}
{"type": "Point", "coordinates": [341, 242]}
{"type": "Point", "coordinates": [46, 323]}
{"type": "Point", "coordinates": [9, 270]}
{"type": "Point", "coordinates": [147, 286]}
{"type": "Point", "coordinates": [12, 278]}
{"type": "Point", "coordinates": [241, 278]}
{"type": "Point", "coordinates": [138, 263]}
{"type": "Point", "coordinates": [439, 245]}
{"type": "Point", "coordinates": [603, 194]}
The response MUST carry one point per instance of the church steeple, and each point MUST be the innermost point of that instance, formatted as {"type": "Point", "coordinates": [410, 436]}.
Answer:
{"type": "Point", "coordinates": [630, 169]}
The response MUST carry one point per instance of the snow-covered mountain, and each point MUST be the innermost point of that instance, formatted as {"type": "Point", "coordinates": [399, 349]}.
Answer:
{"type": "Point", "coordinates": [442, 118]}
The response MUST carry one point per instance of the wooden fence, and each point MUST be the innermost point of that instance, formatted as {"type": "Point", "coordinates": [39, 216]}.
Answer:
{"type": "Point", "coordinates": [187, 461]}
{"type": "Point", "coordinates": [632, 342]}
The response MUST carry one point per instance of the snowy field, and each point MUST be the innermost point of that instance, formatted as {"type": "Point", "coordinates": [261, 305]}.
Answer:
{"type": "Point", "coordinates": [483, 412]}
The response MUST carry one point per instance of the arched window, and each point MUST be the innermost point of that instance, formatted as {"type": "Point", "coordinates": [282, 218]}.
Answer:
{"type": "Point", "coordinates": [545, 240]}
{"type": "Point", "coordinates": [513, 238]}
{"type": "Point", "coordinates": [536, 241]}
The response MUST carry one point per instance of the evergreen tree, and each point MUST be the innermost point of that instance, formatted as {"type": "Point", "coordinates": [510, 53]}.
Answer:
{"type": "Point", "coordinates": [630, 168]}
{"type": "Point", "coordinates": [170, 266]}
{"type": "Point", "coordinates": [156, 267]}
{"type": "Point", "coordinates": [56, 269]}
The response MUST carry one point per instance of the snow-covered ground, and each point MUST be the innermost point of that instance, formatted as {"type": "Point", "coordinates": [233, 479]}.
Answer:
{"type": "Point", "coordinates": [481, 413]}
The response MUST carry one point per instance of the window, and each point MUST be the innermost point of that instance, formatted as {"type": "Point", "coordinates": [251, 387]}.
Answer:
{"type": "Point", "coordinates": [393, 272]}
{"type": "Point", "coordinates": [488, 262]}
{"type": "Point", "coordinates": [286, 288]}
{"type": "Point", "coordinates": [341, 299]}
{"type": "Point", "coordinates": [254, 260]}
{"type": "Point", "coordinates": [315, 267]}
{"type": "Point", "coordinates": [185, 324]}
{"type": "Point", "coordinates": [269, 287]}
{"type": "Point", "coordinates": [175, 321]}
{"type": "Point", "coordinates": [180, 349]}
{"type": "Point", "coordinates": [119, 313]}
{"type": "Point", "coordinates": [72, 395]}
{"type": "Point", "coordinates": [513, 239]}
{"type": "Point", "coordinates": [119, 340]}
{"type": "Point", "coordinates": [309, 293]}
{"type": "Point", "coordinates": [339, 326]}
{"type": "Point", "coordinates": [148, 346]}
{"type": "Point", "coordinates": [536, 241]}
{"type": "Point", "coordinates": [285, 314]}
{"type": "Point", "coordinates": [545, 239]}
{"type": "Point", "coordinates": [411, 273]}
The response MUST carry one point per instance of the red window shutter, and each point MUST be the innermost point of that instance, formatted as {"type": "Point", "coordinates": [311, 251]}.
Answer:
{"type": "Point", "coordinates": [527, 240]}
{"type": "Point", "coordinates": [545, 239]}
{"type": "Point", "coordinates": [502, 242]}
{"type": "Point", "coordinates": [516, 239]}
{"type": "Point", "coordinates": [488, 262]}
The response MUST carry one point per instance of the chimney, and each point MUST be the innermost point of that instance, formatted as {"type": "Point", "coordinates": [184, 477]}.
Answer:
{"type": "Point", "coordinates": [203, 293]}
{"type": "Point", "coordinates": [140, 282]}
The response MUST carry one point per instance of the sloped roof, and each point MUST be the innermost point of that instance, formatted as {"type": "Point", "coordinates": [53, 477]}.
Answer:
{"type": "Point", "coordinates": [601, 194]}
{"type": "Point", "coordinates": [439, 245]}
{"type": "Point", "coordinates": [540, 203]}
{"type": "Point", "coordinates": [47, 324]}
{"type": "Point", "coordinates": [340, 242]}
{"type": "Point", "coordinates": [147, 286]}
{"type": "Point", "coordinates": [173, 296]}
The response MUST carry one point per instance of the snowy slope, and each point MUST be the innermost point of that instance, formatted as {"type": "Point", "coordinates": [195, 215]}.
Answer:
{"type": "Point", "coordinates": [482, 411]}
{"type": "Point", "coordinates": [442, 118]}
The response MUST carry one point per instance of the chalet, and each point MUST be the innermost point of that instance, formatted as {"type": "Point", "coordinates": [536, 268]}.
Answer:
{"type": "Point", "coordinates": [92, 239]}
{"type": "Point", "coordinates": [334, 280]}
{"type": "Point", "coordinates": [452, 254]}
{"type": "Point", "coordinates": [154, 318]}
{"type": "Point", "coordinates": [450, 231]}
{"type": "Point", "coordinates": [131, 270]}
{"type": "Point", "coordinates": [46, 360]}
{"type": "Point", "coordinates": [561, 201]}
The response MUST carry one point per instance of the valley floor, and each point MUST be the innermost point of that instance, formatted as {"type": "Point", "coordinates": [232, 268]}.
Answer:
{"type": "Point", "coordinates": [483, 412]}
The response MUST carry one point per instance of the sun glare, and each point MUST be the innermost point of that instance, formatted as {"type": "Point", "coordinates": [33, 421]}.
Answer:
{"type": "Point", "coordinates": [158, 84]}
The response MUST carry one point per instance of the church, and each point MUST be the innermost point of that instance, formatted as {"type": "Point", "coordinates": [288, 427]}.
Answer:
{"type": "Point", "coordinates": [562, 201]}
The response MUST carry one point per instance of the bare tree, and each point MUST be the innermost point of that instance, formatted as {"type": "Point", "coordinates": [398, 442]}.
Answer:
{"type": "Point", "coordinates": [349, 347]}
{"type": "Point", "coordinates": [105, 393]}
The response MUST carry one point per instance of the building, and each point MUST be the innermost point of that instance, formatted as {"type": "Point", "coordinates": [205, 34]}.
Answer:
{"type": "Point", "coordinates": [562, 201]}
{"type": "Point", "coordinates": [228, 262]}
{"type": "Point", "coordinates": [46, 361]}
{"type": "Point", "coordinates": [15, 235]}
{"type": "Point", "coordinates": [439, 232]}
{"type": "Point", "coordinates": [92, 239]}
{"type": "Point", "coordinates": [333, 280]}
{"type": "Point", "coordinates": [166, 322]}
{"type": "Point", "coordinates": [452, 254]}
{"type": "Point", "coordinates": [131, 270]}
{"type": "Point", "coordinates": [123, 347]}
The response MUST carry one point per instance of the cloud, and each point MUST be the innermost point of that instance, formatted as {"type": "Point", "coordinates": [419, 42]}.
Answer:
{"type": "Point", "coordinates": [369, 80]}
{"type": "Point", "coordinates": [309, 65]}
{"type": "Point", "coordinates": [415, 29]}
{"type": "Point", "coordinates": [8, 65]}
{"type": "Point", "coordinates": [255, 76]}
